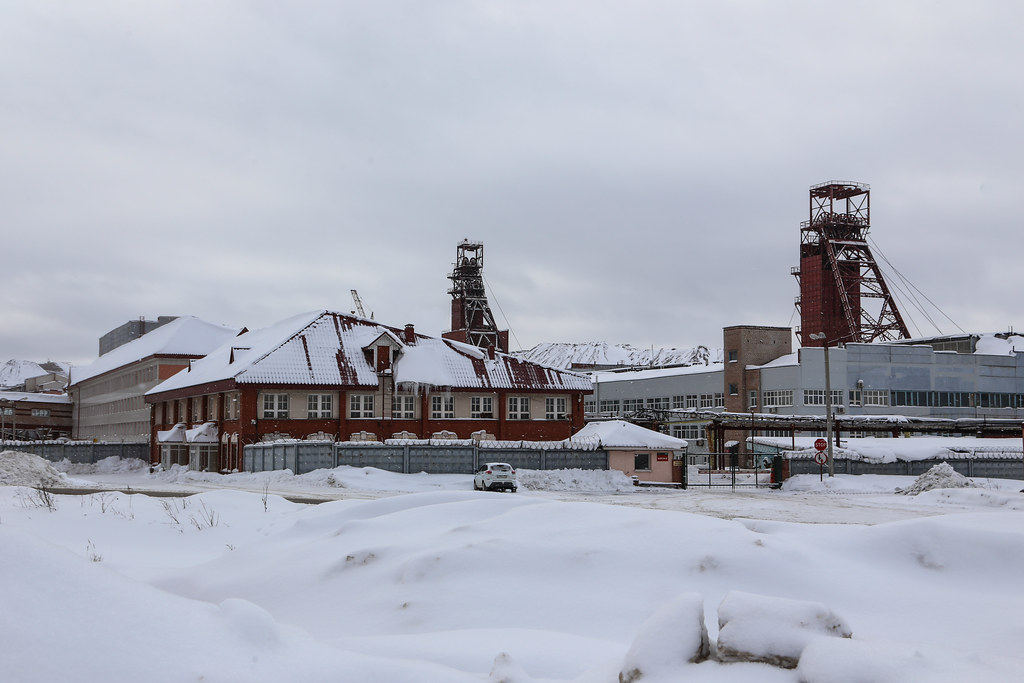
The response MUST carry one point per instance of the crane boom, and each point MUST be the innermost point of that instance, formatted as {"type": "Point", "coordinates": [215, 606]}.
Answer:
{"type": "Point", "coordinates": [359, 304]}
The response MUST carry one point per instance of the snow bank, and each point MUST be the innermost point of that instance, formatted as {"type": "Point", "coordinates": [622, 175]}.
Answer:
{"type": "Point", "coordinates": [25, 469]}
{"type": "Point", "coordinates": [574, 480]}
{"type": "Point", "coordinates": [673, 637]}
{"type": "Point", "coordinates": [112, 465]}
{"type": "Point", "coordinates": [941, 476]}
{"type": "Point", "coordinates": [761, 628]}
{"type": "Point", "coordinates": [838, 660]}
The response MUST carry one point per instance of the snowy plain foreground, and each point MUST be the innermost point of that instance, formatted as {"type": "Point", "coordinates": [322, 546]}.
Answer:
{"type": "Point", "coordinates": [420, 578]}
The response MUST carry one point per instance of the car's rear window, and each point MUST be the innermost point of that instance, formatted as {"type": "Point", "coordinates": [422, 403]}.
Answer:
{"type": "Point", "coordinates": [500, 468]}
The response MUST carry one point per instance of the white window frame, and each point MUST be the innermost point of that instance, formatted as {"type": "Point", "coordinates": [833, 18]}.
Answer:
{"type": "Point", "coordinates": [816, 397]}
{"type": "Point", "coordinates": [555, 408]}
{"type": "Point", "coordinates": [518, 408]}
{"type": "Point", "coordinates": [360, 406]}
{"type": "Point", "coordinates": [275, 407]}
{"type": "Point", "coordinates": [480, 406]}
{"type": "Point", "coordinates": [403, 407]}
{"type": "Point", "coordinates": [442, 407]}
{"type": "Point", "coordinates": [319, 406]}
{"type": "Point", "coordinates": [776, 398]}
{"type": "Point", "coordinates": [875, 397]}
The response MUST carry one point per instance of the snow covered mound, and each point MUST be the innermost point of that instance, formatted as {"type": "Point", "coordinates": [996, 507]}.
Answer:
{"type": "Point", "coordinates": [941, 476]}
{"type": "Point", "coordinates": [111, 465]}
{"type": "Point", "coordinates": [574, 480]}
{"type": "Point", "coordinates": [25, 469]}
{"type": "Point", "coordinates": [773, 630]}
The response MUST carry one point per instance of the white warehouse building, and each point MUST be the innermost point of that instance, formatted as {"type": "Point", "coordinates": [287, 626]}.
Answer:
{"type": "Point", "coordinates": [969, 376]}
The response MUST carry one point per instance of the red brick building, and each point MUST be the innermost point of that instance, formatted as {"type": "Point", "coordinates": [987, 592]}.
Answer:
{"type": "Point", "coordinates": [335, 376]}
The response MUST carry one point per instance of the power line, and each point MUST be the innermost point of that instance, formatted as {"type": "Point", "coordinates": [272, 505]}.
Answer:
{"type": "Point", "coordinates": [911, 284]}
{"type": "Point", "coordinates": [492, 295]}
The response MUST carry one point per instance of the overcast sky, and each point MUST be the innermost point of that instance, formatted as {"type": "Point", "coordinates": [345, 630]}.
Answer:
{"type": "Point", "coordinates": [636, 171]}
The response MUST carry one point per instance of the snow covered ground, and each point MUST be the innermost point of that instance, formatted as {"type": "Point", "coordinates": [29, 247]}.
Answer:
{"type": "Point", "coordinates": [575, 578]}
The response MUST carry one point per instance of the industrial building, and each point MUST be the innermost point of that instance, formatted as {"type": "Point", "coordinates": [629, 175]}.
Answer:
{"type": "Point", "coordinates": [849, 323]}
{"type": "Point", "coordinates": [106, 395]}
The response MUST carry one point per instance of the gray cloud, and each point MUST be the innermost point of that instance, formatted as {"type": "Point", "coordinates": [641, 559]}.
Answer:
{"type": "Point", "coordinates": [637, 172]}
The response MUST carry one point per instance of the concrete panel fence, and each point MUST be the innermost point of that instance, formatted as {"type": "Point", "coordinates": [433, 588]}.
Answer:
{"type": "Point", "coordinates": [79, 453]}
{"type": "Point", "coordinates": [303, 457]}
{"type": "Point", "coordinates": [994, 468]}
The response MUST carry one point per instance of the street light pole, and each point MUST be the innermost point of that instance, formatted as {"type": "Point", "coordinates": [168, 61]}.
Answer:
{"type": "Point", "coordinates": [828, 405]}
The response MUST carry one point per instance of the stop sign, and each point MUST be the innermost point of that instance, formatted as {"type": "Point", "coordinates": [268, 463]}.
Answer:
{"type": "Point", "coordinates": [820, 444]}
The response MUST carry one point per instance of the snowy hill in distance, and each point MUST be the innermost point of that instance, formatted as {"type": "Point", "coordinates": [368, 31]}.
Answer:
{"type": "Point", "coordinates": [13, 373]}
{"type": "Point", "coordinates": [604, 355]}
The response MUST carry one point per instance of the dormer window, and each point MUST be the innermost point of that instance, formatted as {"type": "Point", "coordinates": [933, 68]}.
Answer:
{"type": "Point", "coordinates": [381, 353]}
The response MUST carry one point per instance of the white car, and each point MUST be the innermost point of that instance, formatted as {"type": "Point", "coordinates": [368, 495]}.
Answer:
{"type": "Point", "coordinates": [495, 476]}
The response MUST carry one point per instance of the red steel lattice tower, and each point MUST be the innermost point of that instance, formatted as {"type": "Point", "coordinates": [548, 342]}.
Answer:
{"type": "Point", "coordinates": [472, 320]}
{"type": "Point", "coordinates": [842, 291]}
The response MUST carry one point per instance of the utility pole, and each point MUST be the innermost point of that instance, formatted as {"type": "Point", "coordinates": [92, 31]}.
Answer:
{"type": "Point", "coordinates": [828, 404]}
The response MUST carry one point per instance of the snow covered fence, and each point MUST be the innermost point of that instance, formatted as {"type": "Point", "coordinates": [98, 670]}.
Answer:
{"type": "Point", "coordinates": [79, 452]}
{"type": "Point", "coordinates": [416, 456]}
{"type": "Point", "coordinates": [984, 467]}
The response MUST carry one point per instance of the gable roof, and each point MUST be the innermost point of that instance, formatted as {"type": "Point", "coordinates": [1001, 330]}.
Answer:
{"type": "Point", "coordinates": [184, 336]}
{"type": "Point", "coordinates": [326, 348]}
{"type": "Point", "coordinates": [622, 434]}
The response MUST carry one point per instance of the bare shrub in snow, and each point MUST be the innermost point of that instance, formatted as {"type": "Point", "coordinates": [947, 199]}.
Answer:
{"type": "Point", "coordinates": [40, 497]}
{"type": "Point", "coordinates": [90, 551]}
{"type": "Point", "coordinates": [172, 511]}
{"type": "Point", "coordinates": [941, 476]}
{"type": "Point", "coordinates": [204, 518]}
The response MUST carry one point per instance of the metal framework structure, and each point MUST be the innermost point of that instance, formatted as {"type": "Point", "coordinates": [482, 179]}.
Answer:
{"type": "Point", "coordinates": [838, 274]}
{"type": "Point", "coordinates": [472, 320]}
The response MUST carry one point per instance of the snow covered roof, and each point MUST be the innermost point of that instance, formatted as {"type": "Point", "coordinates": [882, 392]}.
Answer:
{"type": "Point", "coordinates": [34, 397]}
{"type": "Point", "coordinates": [185, 336]}
{"type": "Point", "coordinates": [602, 354]}
{"type": "Point", "coordinates": [326, 348]}
{"type": "Point", "coordinates": [998, 346]}
{"type": "Point", "coordinates": [911, 449]}
{"type": "Point", "coordinates": [654, 373]}
{"type": "Point", "coordinates": [781, 361]}
{"type": "Point", "coordinates": [622, 434]}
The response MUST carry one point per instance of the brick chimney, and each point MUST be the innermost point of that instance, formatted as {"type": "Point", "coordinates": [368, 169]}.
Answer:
{"type": "Point", "coordinates": [410, 334]}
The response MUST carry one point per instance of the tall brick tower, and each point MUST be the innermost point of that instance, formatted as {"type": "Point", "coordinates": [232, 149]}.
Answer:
{"type": "Point", "coordinates": [842, 291]}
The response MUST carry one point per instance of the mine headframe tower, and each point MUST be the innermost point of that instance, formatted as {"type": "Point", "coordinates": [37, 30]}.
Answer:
{"type": "Point", "coordinates": [838, 274]}
{"type": "Point", "coordinates": [472, 320]}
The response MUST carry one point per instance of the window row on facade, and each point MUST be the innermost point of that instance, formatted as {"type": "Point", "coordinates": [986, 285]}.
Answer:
{"type": "Point", "coordinates": [121, 381]}
{"type": "Point", "coordinates": [630, 405]}
{"type": "Point", "coordinates": [117, 406]}
{"type": "Point", "coordinates": [780, 398]}
{"type": "Point", "coordinates": [357, 405]}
